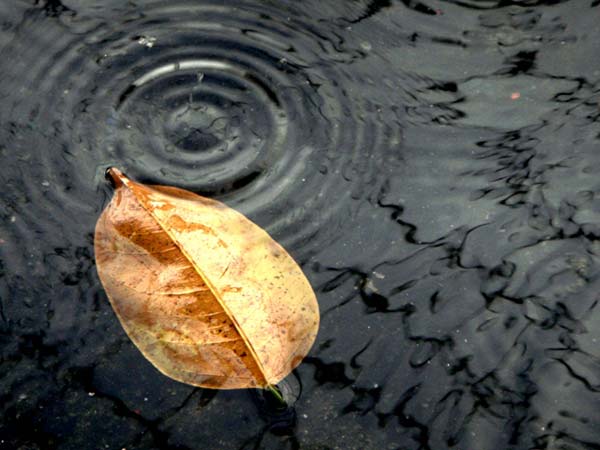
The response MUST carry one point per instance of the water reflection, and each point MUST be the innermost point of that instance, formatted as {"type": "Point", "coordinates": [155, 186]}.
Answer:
{"type": "Point", "coordinates": [432, 165]}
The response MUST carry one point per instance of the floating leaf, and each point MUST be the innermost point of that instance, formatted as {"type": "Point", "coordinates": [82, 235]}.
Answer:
{"type": "Point", "coordinates": [207, 296]}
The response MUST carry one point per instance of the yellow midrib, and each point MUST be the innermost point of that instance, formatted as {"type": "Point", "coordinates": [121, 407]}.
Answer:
{"type": "Point", "coordinates": [126, 181]}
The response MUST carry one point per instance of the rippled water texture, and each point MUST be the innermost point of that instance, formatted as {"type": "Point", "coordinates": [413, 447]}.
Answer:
{"type": "Point", "coordinates": [432, 165]}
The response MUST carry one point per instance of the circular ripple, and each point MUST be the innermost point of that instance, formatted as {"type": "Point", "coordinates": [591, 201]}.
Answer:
{"type": "Point", "coordinates": [249, 104]}
{"type": "Point", "coordinates": [215, 123]}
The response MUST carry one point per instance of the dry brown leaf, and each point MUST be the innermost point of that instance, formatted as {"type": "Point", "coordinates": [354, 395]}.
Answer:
{"type": "Point", "coordinates": [207, 296]}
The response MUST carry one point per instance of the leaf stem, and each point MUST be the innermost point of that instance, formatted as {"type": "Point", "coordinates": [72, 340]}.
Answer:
{"type": "Point", "coordinates": [276, 393]}
{"type": "Point", "coordinates": [115, 176]}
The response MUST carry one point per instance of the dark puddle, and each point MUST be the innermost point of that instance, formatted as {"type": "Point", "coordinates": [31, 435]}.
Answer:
{"type": "Point", "coordinates": [433, 165]}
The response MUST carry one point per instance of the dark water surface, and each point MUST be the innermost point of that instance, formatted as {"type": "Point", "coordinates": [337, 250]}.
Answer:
{"type": "Point", "coordinates": [433, 166]}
